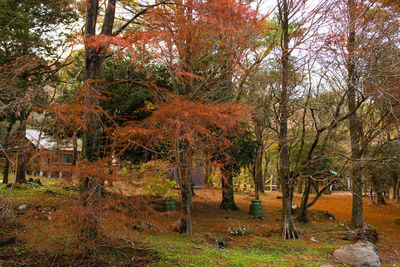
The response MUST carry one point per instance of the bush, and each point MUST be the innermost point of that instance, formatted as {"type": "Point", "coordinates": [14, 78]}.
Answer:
{"type": "Point", "coordinates": [155, 181]}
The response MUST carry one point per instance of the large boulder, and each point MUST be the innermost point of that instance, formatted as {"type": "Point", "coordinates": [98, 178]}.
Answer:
{"type": "Point", "coordinates": [360, 254]}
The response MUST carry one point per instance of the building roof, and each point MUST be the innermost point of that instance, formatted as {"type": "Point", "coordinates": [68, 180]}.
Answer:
{"type": "Point", "coordinates": [42, 141]}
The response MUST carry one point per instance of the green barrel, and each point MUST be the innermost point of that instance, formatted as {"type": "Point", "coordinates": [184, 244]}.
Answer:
{"type": "Point", "coordinates": [256, 208]}
{"type": "Point", "coordinates": [168, 205]}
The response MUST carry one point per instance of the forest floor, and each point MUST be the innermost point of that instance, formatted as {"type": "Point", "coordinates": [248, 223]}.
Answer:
{"type": "Point", "coordinates": [135, 232]}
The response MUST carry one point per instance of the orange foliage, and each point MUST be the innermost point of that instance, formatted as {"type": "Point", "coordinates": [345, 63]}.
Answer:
{"type": "Point", "coordinates": [181, 120]}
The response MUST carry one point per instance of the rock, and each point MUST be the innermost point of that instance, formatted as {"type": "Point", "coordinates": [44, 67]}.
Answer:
{"type": "Point", "coordinates": [238, 231]}
{"type": "Point", "coordinates": [148, 224]}
{"type": "Point", "coordinates": [179, 226]}
{"type": "Point", "coordinates": [360, 254]}
{"type": "Point", "coordinates": [294, 208]}
{"type": "Point", "coordinates": [370, 235]}
{"type": "Point", "coordinates": [23, 207]}
{"type": "Point", "coordinates": [329, 216]}
{"type": "Point", "coordinates": [313, 239]}
{"type": "Point", "coordinates": [219, 243]}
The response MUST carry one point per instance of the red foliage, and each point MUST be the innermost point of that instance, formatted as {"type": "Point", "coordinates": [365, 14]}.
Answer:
{"type": "Point", "coordinates": [180, 120]}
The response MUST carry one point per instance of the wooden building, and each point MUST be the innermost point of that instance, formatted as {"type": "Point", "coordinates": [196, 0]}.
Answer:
{"type": "Point", "coordinates": [46, 156]}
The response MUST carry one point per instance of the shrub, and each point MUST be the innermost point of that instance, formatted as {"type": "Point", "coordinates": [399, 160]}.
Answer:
{"type": "Point", "coordinates": [155, 181]}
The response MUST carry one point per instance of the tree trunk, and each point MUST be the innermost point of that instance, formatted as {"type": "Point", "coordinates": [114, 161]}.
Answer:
{"type": "Point", "coordinates": [6, 168]}
{"type": "Point", "coordinates": [186, 191]}
{"type": "Point", "coordinates": [378, 190]}
{"type": "Point", "coordinates": [288, 228]}
{"type": "Point", "coordinates": [207, 173]}
{"type": "Point", "coordinates": [303, 216]}
{"type": "Point", "coordinates": [75, 149]}
{"type": "Point", "coordinates": [20, 176]}
{"type": "Point", "coordinates": [228, 201]}
{"type": "Point", "coordinates": [258, 175]}
{"type": "Point", "coordinates": [355, 127]}
{"type": "Point", "coordinates": [395, 180]}
{"type": "Point", "coordinates": [259, 179]}
{"type": "Point", "coordinates": [92, 188]}
{"type": "Point", "coordinates": [300, 186]}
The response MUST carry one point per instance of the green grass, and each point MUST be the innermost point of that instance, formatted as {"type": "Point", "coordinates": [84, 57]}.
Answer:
{"type": "Point", "coordinates": [181, 250]}
{"type": "Point", "coordinates": [32, 191]}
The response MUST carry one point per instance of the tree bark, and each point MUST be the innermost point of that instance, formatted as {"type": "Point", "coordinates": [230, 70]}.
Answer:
{"type": "Point", "coordinates": [300, 186]}
{"type": "Point", "coordinates": [378, 190]}
{"type": "Point", "coordinates": [258, 175]}
{"type": "Point", "coordinates": [355, 126]}
{"type": "Point", "coordinates": [20, 176]}
{"type": "Point", "coordinates": [228, 201]}
{"type": "Point", "coordinates": [75, 149]}
{"type": "Point", "coordinates": [288, 228]}
{"type": "Point", "coordinates": [207, 173]}
{"type": "Point", "coordinates": [6, 168]}
{"type": "Point", "coordinates": [395, 180]}
{"type": "Point", "coordinates": [92, 188]}
{"type": "Point", "coordinates": [303, 216]}
{"type": "Point", "coordinates": [185, 175]}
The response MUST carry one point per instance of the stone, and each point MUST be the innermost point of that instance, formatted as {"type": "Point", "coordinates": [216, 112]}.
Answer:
{"type": "Point", "coordinates": [220, 243]}
{"type": "Point", "coordinates": [313, 239]}
{"type": "Point", "coordinates": [329, 216]}
{"type": "Point", "coordinates": [238, 231]}
{"type": "Point", "coordinates": [148, 225]}
{"type": "Point", "coordinates": [360, 254]}
{"type": "Point", "coordinates": [23, 207]}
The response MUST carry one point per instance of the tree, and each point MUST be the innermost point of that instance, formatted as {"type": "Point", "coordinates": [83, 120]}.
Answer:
{"type": "Point", "coordinates": [240, 154]}
{"type": "Point", "coordinates": [179, 129]}
{"type": "Point", "coordinates": [97, 48]}
{"type": "Point", "coordinates": [364, 38]}
{"type": "Point", "coordinates": [196, 41]}
{"type": "Point", "coordinates": [28, 43]}
{"type": "Point", "coordinates": [298, 23]}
